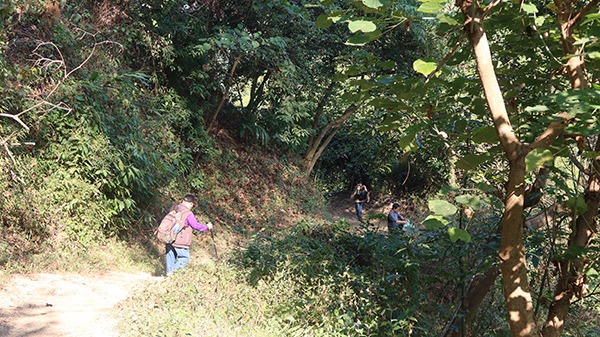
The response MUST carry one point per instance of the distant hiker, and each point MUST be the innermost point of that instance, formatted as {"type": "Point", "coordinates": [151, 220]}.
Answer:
{"type": "Point", "coordinates": [178, 252]}
{"type": "Point", "coordinates": [359, 195]}
{"type": "Point", "coordinates": [395, 220]}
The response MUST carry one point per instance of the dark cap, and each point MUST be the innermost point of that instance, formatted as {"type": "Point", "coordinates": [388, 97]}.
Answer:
{"type": "Point", "coordinates": [190, 198]}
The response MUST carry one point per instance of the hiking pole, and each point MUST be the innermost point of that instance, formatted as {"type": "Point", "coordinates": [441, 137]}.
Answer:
{"type": "Point", "coordinates": [215, 245]}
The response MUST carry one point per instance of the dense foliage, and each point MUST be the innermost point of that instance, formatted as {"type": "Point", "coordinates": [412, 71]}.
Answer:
{"type": "Point", "coordinates": [110, 111]}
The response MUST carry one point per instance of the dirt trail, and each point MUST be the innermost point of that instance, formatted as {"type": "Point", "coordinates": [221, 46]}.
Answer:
{"type": "Point", "coordinates": [53, 305]}
{"type": "Point", "coordinates": [70, 305]}
{"type": "Point", "coordinates": [340, 206]}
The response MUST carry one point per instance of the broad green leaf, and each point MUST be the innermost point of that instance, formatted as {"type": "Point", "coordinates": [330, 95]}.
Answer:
{"type": "Point", "coordinates": [577, 203]}
{"type": "Point", "coordinates": [408, 143]}
{"type": "Point", "coordinates": [593, 55]}
{"type": "Point", "coordinates": [469, 200]}
{"type": "Point", "coordinates": [352, 71]}
{"type": "Point", "coordinates": [538, 158]}
{"type": "Point", "coordinates": [483, 187]}
{"type": "Point", "coordinates": [591, 17]}
{"type": "Point", "coordinates": [390, 123]}
{"type": "Point", "coordinates": [386, 80]}
{"type": "Point", "coordinates": [575, 252]}
{"type": "Point", "coordinates": [458, 233]}
{"type": "Point", "coordinates": [590, 155]}
{"type": "Point", "coordinates": [539, 21]}
{"type": "Point", "coordinates": [361, 25]}
{"type": "Point", "coordinates": [326, 2]}
{"type": "Point", "coordinates": [486, 134]}
{"type": "Point", "coordinates": [447, 19]}
{"type": "Point", "coordinates": [445, 190]}
{"type": "Point", "coordinates": [339, 77]}
{"type": "Point", "coordinates": [592, 272]}
{"type": "Point", "coordinates": [529, 8]}
{"type": "Point", "coordinates": [387, 64]}
{"type": "Point", "coordinates": [442, 207]}
{"type": "Point", "coordinates": [372, 3]}
{"type": "Point", "coordinates": [358, 40]}
{"type": "Point", "coordinates": [471, 161]}
{"type": "Point", "coordinates": [423, 67]}
{"type": "Point", "coordinates": [434, 221]}
{"type": "Point", "coordinates": [323, 21]}
{"type": "Point", "coordinates": [94, 76]}
{"type": "Point", "coordinates": [430, 7]}
{"type": "Point", "coordinates": [537, 108]}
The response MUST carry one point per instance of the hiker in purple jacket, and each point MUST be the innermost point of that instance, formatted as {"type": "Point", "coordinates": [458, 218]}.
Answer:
{"type": "Point", "coordinates": [178, 252]}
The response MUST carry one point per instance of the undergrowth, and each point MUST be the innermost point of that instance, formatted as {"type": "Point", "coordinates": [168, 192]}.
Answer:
{"type": "Point", "coordinates": [308, 280]}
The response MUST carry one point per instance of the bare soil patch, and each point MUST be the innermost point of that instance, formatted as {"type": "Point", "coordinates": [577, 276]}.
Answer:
{"type": "Point", "coordinates": [52, 305]}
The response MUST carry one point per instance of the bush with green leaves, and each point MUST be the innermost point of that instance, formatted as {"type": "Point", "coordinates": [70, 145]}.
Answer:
{"type": "Point", "coordinates": [347, 283]}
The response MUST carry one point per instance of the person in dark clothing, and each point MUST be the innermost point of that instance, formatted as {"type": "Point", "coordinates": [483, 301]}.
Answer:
{"type": "Point", "coordinates": [360, 195]}
{"type": "Point", "coordinates": [395, 220]}
{"type": "Point", "coordinates": [178, 252]}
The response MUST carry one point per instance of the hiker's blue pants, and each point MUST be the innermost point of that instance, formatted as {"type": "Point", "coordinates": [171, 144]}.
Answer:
{"type": "Point", "coordinates": [177, 258]}
{"type": "Point", "coordinates": [358, 207]}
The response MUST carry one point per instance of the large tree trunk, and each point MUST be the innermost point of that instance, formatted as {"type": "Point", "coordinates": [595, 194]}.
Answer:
{"type": "Point", "coordinates": [513, 265]}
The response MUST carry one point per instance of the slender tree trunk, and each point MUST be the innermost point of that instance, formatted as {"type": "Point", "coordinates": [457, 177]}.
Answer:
{"type": "Point", "coordinates": [229, 80]}
{"type": "Point", "coordinates": [256, 91]}
{"type": "Point", "coordinates": [571, 279]}
{"type": "Point", "coordinates": [476, 292]}
{"type": "Point", "coordinates": [314, 152]}
{"type": "Point", "coordinates": [313, 161]}
{"type": "Point", "coordinates": [319, 113]}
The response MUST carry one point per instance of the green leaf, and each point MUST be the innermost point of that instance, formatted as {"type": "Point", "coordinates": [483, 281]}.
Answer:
{"type": "Point", "coordinates": [339, 77]}
{"type": "Point", "coordinates": [372, 3]}
{"type": "Point", "coordinates": [386, 80]}
{"type": "Point", "coordinates": [575, 252]}
{"type": "Point", "coordinates": [447, 19]}
{"type": "Point", "coordinates": [577, 203]}
{"type": "Point", "coordinates": [486, 134]}
{"type": "Point", "coordinates": [326, 2]}
{"type": "Point", "coordinates": [430, 7]}
{"type": "Point", "coordinates": [358, 40]}
{"type": "Point", "coordinates": [458, 233]}
{"type": "Point", "coordinates": [361, 25]}
{"type": "Point", "coordinates": [445, 190]}
{"type": "Point", "coordinates": [469, 200]}
{"type": "Point", "coordinates": [471, 161]}
{"type": "Point", "coordinates": [424, 67]}
{"type": "Point", "coordinates": [538, 158]}
{"type": "Point", "coordinates": [323, 21]}
{"type": "Point", "coordinates": [529, 8]}
{"type": "Point", "coordinates": [94, 76]}
{"type": "Point", "coordinates": [592, 273]}
{"type": "Point", "coordinates": [408, 143]}
{"type": "Point", "coordinates": [537, 108]}
{"type": "Point", "coordinates": [590, 155]}
{"type": "Point", "coordinates": [387, 64]}
{"type": "Point", "coordinates": [442, 207]}
{"type": "Point", "coordinates": [434, 221]}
